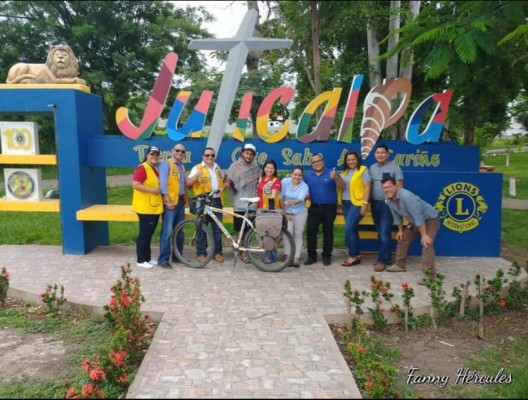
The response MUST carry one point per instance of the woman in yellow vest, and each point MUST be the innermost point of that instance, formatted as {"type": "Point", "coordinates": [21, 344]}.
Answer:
{"type": "Point", "coordinates": [147, 204]}
{"type": "Point", "coordinates": [354, 200]}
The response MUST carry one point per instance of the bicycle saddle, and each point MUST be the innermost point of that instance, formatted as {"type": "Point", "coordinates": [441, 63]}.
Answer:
{"type": "Point", "coordinates": [250, 199]}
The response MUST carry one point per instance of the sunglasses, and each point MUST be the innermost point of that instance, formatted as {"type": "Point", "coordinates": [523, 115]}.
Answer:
{"type": "Point", "coordinates": [209, 155]}
{"type": "Point", "coordinates": [179, 151]}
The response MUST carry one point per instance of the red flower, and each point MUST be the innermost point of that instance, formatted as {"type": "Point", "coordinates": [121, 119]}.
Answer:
{"type": "Point", "coordinates": [70, 393]}
{"type": "Point", "coordinates": [113, 302]}
{"type": "Point", "coordinates": [97, 374]}
{"type": "Point", "coordinates": [5, 274]}
{"type": "Point", "coordinates": [361, 350]}
{"type": "Point", "coordinates": [118, 357]}
{"type": "Point", "coordinates": [86, 364]}
{"type": "Point", "coordinates": [122, 378]}
{"type": "Point", "coordinates": [502, 302]}
{"type": "Point", "coordinates": [405, 285]}
{"type": "Point", "coordinates": [87, 390]}
{"type": "Point", "coordinates": [369, 385]}
{"type": "Point", "coordinates": [124, 299]}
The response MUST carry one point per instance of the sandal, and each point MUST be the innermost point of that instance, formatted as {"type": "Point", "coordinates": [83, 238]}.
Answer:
{"type": "Point", "coordinates": [379, 267]}
{"type": "Point", "coordinates": [350, 261]}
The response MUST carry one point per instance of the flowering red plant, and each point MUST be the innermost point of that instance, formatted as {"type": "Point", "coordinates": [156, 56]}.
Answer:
{"type": "Point", "coordinates": [4, 285]}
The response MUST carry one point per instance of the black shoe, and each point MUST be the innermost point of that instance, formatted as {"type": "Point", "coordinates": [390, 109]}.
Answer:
{"type": "Point", "coordinates": [310, 261]}
{"type": "Point", "coordinates": [326, 261]}
{"type": "Point", "coordinates": [166, 265]}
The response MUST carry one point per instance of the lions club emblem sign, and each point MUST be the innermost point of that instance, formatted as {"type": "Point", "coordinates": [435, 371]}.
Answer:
{"type": "Point", "coordinates": [461, 206]}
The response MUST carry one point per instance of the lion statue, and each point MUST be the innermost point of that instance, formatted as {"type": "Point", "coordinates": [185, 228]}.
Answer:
{"type": "Point", "coordinates": [61, 67]}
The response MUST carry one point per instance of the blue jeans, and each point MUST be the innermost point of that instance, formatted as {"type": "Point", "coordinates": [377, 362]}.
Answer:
{"type": "Point", "coordinates": [217, 235]}
{"type": "Point", "coordinates": [170, 218]}
{"type": "Point", "coordinates": [383, 221]}
{"type": "Point", "coordinates": [352, 218]}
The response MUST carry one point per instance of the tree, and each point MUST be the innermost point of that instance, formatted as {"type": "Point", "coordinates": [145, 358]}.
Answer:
{"type": "Point", "coordinates": [120, 44]}
{"type": "Point", "coordinates": [457, 44]}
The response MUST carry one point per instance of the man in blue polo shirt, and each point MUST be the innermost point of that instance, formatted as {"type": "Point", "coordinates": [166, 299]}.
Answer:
{"type": "Point", "coordinates": [323, 208]}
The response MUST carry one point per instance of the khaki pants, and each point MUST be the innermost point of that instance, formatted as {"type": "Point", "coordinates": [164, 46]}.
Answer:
{"type": "Point", "coordinates": [431, 226]}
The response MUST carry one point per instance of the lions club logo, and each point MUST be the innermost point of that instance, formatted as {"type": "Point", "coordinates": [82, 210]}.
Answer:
{"type": "Point", "coordinates": [461, 206]}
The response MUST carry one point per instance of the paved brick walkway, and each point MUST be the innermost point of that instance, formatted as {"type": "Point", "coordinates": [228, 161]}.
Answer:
{"type": "Point", "coordinates": [231, 332]}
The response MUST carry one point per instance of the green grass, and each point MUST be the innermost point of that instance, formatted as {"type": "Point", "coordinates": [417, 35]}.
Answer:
{"type": "Point", "coordinates": [517, 169]}
{"type": "Point", "coordinates": [513, 359]}
{"type": "Point", "coordinates": [514, 228]}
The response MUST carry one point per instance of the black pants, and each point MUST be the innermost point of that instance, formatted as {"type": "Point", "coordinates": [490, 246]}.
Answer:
{"type": "Point", "coordinates": [147, 226]}
{"type": "Point", "coordinates": [318, 214]}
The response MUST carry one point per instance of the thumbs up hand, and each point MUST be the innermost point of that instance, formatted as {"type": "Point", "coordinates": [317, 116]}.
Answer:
{"type": "Point", "coordinates": [333, 173]}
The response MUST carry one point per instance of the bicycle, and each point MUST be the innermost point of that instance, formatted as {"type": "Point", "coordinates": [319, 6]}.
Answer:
{"type": "Point", "coordinates": [268, 252]}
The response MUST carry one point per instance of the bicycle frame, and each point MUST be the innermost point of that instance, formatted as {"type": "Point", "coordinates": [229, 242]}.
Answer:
{"type": "Point", "coordinates": [209, 210]}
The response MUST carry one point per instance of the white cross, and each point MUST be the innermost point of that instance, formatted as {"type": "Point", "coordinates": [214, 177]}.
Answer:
{"type": "Point", "coordinates": [238, 48]}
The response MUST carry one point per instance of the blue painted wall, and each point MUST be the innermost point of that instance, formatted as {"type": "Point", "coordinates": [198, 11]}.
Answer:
{"type": "Point", "coordinates": [84, 151]}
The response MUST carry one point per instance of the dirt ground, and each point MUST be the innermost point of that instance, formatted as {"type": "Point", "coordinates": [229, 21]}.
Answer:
{"type": "Point", "coordinates": [443, 352]}
{"type": "Point", "coordinates": [30, 354]}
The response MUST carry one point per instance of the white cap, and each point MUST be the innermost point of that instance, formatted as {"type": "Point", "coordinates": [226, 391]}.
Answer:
{"type": "Point", "coordinates": [249, 146]}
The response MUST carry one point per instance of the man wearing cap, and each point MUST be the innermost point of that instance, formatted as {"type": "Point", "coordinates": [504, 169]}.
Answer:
{"type": "Point", "coordinates": [242, 177]}
{"type": "Point", "coordinates": [207, 177]}
{"type": "Point", "coordinates": [174, 193]}
{"type": "Point", "coordinates": [147, 204]}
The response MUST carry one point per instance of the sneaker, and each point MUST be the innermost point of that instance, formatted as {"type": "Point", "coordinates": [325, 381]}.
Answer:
{"type": "Point", "coordinates": [310, 261]}
{"type": "Point", "coordinates": [145, 265]}
{"type": "Point", "coordinates": [166, 265]}
{"type": "Point", "coordinates": [201, 259]}
{"type": "Point", "coordinates": [153, 262]}
{"type": "Point", "coordinates": [396, 268]}
{"type": "Point", "coordinates": [326, 261]}
{"type": "Point", "coordinates": [219, 258]}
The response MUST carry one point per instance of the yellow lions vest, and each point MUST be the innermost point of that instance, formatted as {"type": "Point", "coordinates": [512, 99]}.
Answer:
{"type": "Point", "coordinates": [357, 187]}
{"type": "Point", "coordinates": [173, 181]}
{"type": "Point", "coordinates": [148, 203]}
{"type": "Point", "coordinates": [203, 183]}
{"type": "Point", "coordinates": [266, 193]}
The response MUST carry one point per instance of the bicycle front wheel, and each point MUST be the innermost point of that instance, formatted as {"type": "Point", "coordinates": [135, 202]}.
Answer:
{"type": "Point", "coordinates": [193, 243]}
{"type": "Point", "coordinates": [270, 254]}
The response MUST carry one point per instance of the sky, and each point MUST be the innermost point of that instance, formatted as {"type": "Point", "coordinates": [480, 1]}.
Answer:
{"type": "Point", "coordinates": [228, 14]}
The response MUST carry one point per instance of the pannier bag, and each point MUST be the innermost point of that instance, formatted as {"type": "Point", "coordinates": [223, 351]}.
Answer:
{"type": "Point", "coordinates": [268, 222]}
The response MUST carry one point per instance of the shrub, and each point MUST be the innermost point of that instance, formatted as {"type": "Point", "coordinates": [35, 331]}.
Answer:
{"type": "Point", "coordinates": [51, 301]}
{"type": "Point", "coordinates": [4, 285]}
{"type": "Point", "coordinates": [109, 374]}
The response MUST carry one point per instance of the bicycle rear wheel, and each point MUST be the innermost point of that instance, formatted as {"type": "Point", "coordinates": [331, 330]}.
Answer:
{"type": "Point", "coordinates": [193, 243]}
{"type": "Point", "coordinates": [269, 254]}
